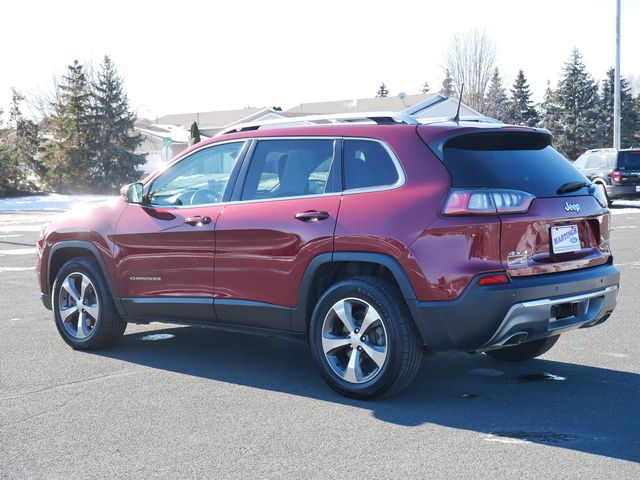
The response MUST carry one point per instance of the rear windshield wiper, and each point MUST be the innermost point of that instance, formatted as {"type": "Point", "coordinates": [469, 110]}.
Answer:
{"type": "Point", "coordinates": [572, 186]}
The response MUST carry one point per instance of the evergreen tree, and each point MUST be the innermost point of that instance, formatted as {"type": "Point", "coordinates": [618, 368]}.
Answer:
{"type": "Point", "coordinates": [572, 111]}
{"type": "Point", "coordinates": [6, 161]}
{"type": "Point", "coordinates": [67, 153]}
{"type": "Point", "coordinates": [24, 146]}
{"type": "Point", "coordinates": [447, 85]}
{"type": "Point", "coordinates": [114, 138]}
{"type": "Point", "coordinates": [496, 101]}
{"type": "Point", "coordinates": [521, 109]}
{"type": "Point", "coordinates": [548, 111]}
{"type": "Point", "coordinates": [425, 88]}
{"type": "Point", "coordinates": [382, 91]}
{"type": "Point", "coordinates": [194, 134]}
{"type": "Point", "coordinates": [629, 113]}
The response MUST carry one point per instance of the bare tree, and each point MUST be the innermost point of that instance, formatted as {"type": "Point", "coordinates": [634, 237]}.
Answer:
{"type": "Point", "coordinates": [470, 59]}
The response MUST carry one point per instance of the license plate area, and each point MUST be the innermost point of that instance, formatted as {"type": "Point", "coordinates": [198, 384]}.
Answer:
{"type": "Point", "coordinates": [637, 188]}
{"type": "Point", "coordinates": [565, 239]}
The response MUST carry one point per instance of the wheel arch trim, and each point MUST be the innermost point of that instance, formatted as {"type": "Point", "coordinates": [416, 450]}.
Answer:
{"type": "Point", "coordinates": [97, 256]}
{"type": "Point", "coordinates": [299, 316]}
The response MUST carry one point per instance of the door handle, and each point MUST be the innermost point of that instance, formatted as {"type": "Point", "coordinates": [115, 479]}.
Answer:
{"type": "Point", "coordinates": [198, 221]}
{"type": "Point", "coordinates": [311, 215]}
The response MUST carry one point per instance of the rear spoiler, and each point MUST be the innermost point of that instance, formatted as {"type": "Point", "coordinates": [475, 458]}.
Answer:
{"type": "Point", "coordinates": [496, 138]}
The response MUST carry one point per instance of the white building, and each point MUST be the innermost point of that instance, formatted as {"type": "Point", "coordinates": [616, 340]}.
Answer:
{"type": "Point", "coordinates": [170, 134]}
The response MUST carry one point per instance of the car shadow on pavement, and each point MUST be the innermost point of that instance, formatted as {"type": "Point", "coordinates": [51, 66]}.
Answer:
{"type": "Point", "coordinates": [578, 407]}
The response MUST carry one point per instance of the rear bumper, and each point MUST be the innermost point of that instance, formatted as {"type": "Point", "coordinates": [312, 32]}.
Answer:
{"type": "Point", "coordinates": [525, 309]}
{"type": "Point", "coordinates": [622, 191]}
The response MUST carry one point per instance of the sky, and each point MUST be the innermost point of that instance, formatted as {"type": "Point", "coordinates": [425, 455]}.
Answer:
{"type": "Point", "coordinates": [196, 55]}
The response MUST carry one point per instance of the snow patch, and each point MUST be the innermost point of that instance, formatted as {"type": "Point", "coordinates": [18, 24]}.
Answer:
{"type": "Point", "coordinates": [52, 202]}
{"type": "Point", "coordinates": [157, 336]}
{"type": "Point", "coordinates": [16, 269]}
{"type": "Point", "coordinates": [18, 251]}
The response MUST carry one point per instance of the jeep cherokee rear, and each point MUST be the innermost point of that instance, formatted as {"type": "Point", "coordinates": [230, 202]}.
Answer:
{"type": "Point", "coordinates": [372, 241]}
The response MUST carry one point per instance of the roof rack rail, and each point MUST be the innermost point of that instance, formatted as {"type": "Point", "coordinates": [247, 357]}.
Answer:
{"type": "Point", "coordinates": [382, 118]}
{"type": "Point", "coordinates": [593, 150]}
{"type": "Point", "coordinates": [467, 118]}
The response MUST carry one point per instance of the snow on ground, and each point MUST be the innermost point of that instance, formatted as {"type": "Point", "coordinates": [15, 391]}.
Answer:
{"type": "Point", "coordinates": [52, 202]}
{"type": "Point", "coordinates": [625, 206]}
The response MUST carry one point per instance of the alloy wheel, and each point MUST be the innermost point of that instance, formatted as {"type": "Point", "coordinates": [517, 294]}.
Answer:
{"type": "Point", "coordinates": [354, 340]}
{"type": "Point", "coordinates": [78, 305]}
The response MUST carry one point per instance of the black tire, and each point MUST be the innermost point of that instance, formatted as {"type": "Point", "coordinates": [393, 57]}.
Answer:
{"type": "Point", "coordinates": [401, 339]}
{"type": "Point", "coordinates": [524, 351]}
{"type": "Point", "coordinates": [107, 328]}
{"type": "Point", "coordinates": [604, 189]}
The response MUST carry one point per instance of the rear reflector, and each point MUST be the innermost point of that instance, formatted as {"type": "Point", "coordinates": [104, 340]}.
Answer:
{"type": "Point", "coordinates": [496, 279]}
{"type": "Point", "coordinates": [483, 201]}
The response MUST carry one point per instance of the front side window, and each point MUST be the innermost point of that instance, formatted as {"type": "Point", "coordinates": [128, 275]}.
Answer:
{"type": "Point", "coordinates": [289, 168]}
{"type": "Point", "coordinates": [199, 179]}
{"type": "Point", "coordinates": [367, 164]}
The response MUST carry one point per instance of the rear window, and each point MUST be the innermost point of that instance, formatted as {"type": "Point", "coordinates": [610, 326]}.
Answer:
{"type": "Point", "coordinates": [511, 161]}
{"type": "Point", "coordinates": [367, 164]}
{"type": "Point", "coordinates": [629, 161]}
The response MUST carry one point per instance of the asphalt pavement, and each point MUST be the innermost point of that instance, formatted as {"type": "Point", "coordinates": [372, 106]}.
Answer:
{"type": "Point", "coordinates": [184, 402]}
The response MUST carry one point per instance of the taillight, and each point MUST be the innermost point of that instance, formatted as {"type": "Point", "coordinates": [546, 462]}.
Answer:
{"type": "Point", "coordinates": [483, 201]}
{"type": "Point", "coordinates": [497, 279]}
{"type": "Point", "coordinates": [616, 177]}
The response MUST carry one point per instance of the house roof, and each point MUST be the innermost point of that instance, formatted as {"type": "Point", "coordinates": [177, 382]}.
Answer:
{"type": "Point", "coordinates": [375, 104]}
{"type": "Point", "coordinates": [210, 119]}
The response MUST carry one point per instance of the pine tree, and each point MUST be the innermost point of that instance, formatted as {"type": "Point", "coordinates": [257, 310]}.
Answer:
{"type": "Point", "coordinates": [382, 91]}
{"type": "Point", "coordinates": [114, 137]}
{"type": "Point", "coordinates": [7, 164]}
{"type": "Point", "coordinates": [194, 134]}
{"type": "Point", "coordinates": [521, 109]}
{"type": "Point", "coordinates": [24, 146]}
{"type": "Point", "coordinates": [496, 101]}
{"type": "Point", "coordinates": [548, 111]}
{"type": "Point", "coordinates": [425, 88]}
{"type": "Point", "coordinates": [573, 113]}
{"type": "Point", "coordinates": [67, 153]}
{"type": "Point", "coordinates": [629, 113]}
{"type": "Point", "coordinates": [447, 85]}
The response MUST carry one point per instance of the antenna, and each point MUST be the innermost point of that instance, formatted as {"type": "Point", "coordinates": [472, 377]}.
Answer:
{"type": "Point", "coordinates": [457, 117]}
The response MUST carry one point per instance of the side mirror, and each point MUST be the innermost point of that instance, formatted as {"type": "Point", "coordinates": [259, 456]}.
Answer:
{"type": "Point", "coordinates": [133, 193]}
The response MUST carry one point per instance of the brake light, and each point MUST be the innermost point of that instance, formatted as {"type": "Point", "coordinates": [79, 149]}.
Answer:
{"type": "Point", "coordinates": [616, 177]}
{"type": "Point", "coordinates": [497, 279]}
{"type": "Point", "coordinates": [483, 201]}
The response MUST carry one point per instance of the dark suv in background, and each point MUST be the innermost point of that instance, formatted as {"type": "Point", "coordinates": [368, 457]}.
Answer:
{"type": "Point", "coordinates": [373, 237]}
{"type": "Point", "coordinates": [618, 171]}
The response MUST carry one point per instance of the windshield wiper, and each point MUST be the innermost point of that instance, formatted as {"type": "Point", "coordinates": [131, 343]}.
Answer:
{"type": "Point", "coordinates": [572, 186]}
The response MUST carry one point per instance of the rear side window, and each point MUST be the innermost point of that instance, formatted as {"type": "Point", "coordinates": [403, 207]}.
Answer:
{"type": "Point", "coordinates": [519, 163]}
{"type": "Point", "coordinates": [367, 164]}
{"type": "Point", "coordinates": [289, 168]}
{"type": "Point", "coordinates": [629, 161]}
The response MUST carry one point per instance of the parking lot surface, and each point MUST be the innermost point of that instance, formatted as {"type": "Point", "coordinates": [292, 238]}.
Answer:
{"type": "Point", "coordinates": [185, 402]}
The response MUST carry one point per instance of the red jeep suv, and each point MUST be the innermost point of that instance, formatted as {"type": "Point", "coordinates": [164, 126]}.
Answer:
{"type": "Point", "coordinates": [375, 237]}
